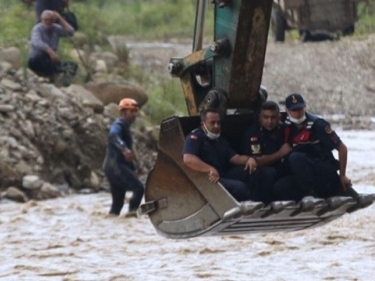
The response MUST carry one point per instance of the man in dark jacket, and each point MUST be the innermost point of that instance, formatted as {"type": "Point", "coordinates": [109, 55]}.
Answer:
{"type": "Point", "coordinates": [207, 152]}
{"type": "Point", "coordinates": [53, 5]}
{"type": "Point", "coordinates": [312, 164]}
{"type": "Point", "coordinates": [118, 164]}
{"type": "Point", "coordinates": [265, 141]}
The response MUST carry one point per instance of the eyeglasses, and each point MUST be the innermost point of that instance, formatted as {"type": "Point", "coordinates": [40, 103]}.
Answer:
{"type": "Point", "coordinates": [47, 19]}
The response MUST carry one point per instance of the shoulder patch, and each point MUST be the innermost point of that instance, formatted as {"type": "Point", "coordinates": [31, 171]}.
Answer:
{"type": "Point", "coordinates": [194, 137]}
{"type": "Point", "coordinates": [328, 129]}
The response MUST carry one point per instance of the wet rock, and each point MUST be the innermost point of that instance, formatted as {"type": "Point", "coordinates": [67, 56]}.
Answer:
{"type": "Point", "coordinates": [48, 191]}
{"type": "Point", "coordinates": [13, 193]}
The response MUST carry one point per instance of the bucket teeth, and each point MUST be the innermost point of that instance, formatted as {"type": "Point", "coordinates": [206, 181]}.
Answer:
{"type": "Point", "coordinates": [308, 203]}
{"type": "Point", "coordinates": [365, 200]}
{"type": "Point", "coordinates": [250, 207]}
{"type": "Point", "coordinates": [338, 201]}
{"type": "Point", "coordinates": [278, 206]}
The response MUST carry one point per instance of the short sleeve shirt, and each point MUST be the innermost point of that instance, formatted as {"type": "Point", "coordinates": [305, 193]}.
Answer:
{"type": "Point", "coordinates": [216, 153]}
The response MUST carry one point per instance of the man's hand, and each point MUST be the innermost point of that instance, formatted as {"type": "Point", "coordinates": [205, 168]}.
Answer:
{"type": "Point", "coordinates": [213, 175]}
{"type": "Point", "coordinates": [285, 149]}
{"type": "Point", "coordinates": [128, 155]}
{"type": "Point", "coordinates": [53, 55]}
{"type": "Point", "coordinates": [345, 182]}
{"type": "Point", "coordinates": [251, 165]}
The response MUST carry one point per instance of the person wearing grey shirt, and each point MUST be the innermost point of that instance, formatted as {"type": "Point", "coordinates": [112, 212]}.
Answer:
{"type": "Point", "coordinates": [45, 36]}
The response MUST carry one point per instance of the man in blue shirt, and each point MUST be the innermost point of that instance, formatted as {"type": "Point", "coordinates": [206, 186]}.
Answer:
{"type": "Point", "coordinates": [207, 152]}
{"type": "Point", "coordinates": [45, 36]}
{"type": "Point", "coordinates": [265, 141]}
{"type": "Point", "coordinates": [118, 164]}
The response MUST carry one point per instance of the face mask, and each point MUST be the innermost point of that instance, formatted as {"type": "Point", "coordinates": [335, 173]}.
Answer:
{"type": "Point", "coordinates": [297, 121]}
{"type": "Point", "coordinates": [210, 135]}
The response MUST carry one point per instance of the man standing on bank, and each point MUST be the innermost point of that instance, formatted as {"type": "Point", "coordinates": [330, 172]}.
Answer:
{"type": "Point", "coordinates": [118, 164]}
{"type": "Point", "coordinates": [312, 164]}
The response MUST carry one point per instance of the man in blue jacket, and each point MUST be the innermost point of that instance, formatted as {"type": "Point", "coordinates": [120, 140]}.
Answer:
{"type": "Point", "coordinates": [118, 164]}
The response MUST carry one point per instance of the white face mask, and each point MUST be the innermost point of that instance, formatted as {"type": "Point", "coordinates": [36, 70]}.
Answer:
{"type": "Point", "coordinates": [297, 121]}
{"type": "Point", "coordinates": [210, 135]}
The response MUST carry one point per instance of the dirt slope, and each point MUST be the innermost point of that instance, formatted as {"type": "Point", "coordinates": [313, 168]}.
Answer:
{"type": "Point", "coordinates": [335, 77]}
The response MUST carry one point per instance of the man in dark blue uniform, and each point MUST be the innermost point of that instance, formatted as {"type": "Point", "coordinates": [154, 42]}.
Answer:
{"type": "Point", "coordinates": [118, 164]}
{"type": "Point", "coordinates": [265, 142]}
{"type": "Point", "coordinates": [312, 164]}
{"type": "Point", "coordinates": [207, 152]}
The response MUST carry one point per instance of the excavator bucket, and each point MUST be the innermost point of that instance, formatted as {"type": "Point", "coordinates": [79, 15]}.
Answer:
{"type": "Point", "coordinates": [183, 203]}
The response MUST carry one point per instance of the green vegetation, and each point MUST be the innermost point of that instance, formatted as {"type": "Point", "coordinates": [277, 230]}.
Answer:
{"type": "Point", "coordinates": [366, 23]}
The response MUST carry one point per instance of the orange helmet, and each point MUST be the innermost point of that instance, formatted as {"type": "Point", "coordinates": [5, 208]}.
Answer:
{"type": "Point", "coordinates": [128, 103]}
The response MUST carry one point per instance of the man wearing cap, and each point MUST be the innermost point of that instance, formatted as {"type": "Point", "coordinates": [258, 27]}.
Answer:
{"type": "Point", "coordinates": [312, 164]}
{"type": "Point", "coordinates": [118, 164]}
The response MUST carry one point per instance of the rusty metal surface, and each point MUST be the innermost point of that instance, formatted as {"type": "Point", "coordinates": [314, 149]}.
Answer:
{"type": "Point", "coordinates": [245, 24]}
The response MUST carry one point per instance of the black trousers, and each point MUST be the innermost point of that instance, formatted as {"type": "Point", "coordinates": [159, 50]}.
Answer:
{"type": "Point", "coordinates": [309, 176]}
{"type": "Point", "coordinates": [44, 66]}
{"type": "Point", "coordinates": [121, 180]}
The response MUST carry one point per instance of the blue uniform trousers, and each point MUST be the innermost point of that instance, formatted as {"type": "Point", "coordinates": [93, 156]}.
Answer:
{"type": "Point", "coordinates": [309, 176]}
{"type": "Point", "coordinates": [256, 186]}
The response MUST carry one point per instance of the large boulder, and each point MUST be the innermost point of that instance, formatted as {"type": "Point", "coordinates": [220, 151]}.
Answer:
{"type": "Point", "coordinates": [85, 97]}
{"type": "Point", "coordinates": [109, 92]}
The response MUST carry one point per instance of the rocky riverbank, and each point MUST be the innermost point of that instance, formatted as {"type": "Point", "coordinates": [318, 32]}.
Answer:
{"type": "Point", "coordinates": [53, 139]}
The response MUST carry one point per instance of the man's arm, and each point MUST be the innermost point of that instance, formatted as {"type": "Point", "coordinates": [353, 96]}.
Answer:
{"type": "Point", "coordinates": [196, 164]}
{"type": "Point", "coordinates": [64, 24]}
{"type": "Point", "coordinates": [269, 159]}
{"type": "Point", "coordinates": [343, 158]}
{"type": "Point", "coordinates": [249, 162]}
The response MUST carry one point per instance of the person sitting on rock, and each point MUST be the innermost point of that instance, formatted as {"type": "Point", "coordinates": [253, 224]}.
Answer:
{"type": "Point", "coordinates": [43, 57]}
